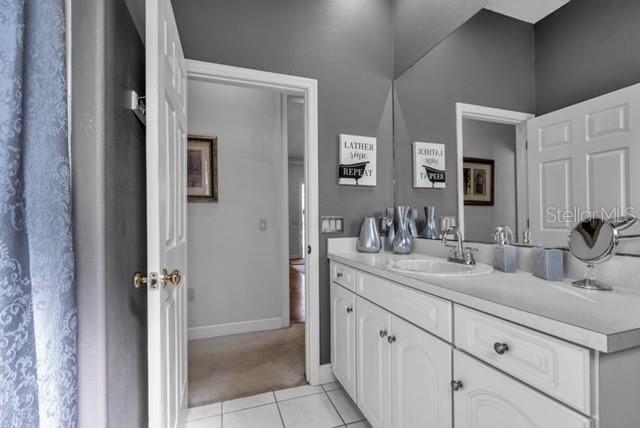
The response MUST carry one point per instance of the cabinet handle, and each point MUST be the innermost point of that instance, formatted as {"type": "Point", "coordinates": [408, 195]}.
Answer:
{"type": "Point", "coordinates": [383, 333]}
{"type": "Point", "coordinates": [456, 385]}
{"type": "Point", "coordinates": [391, 339]}
{"type": "Point", "coordinates": [500, 348]}
{"type": "Point", "coordinates": [349, 309]}
{"type": "Point", "coordinates": [339, 275]}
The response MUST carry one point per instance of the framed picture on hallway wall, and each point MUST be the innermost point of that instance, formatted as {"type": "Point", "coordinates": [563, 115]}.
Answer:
{"type": "Point", "coordinates": [202, 169]}
{"type": "Point", "coordinates": [478, 176]}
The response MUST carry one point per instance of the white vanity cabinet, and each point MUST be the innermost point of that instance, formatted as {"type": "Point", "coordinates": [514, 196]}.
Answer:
{"type": "Point", "coordinates": [343, 337]}
{"type": "Point", "coordinates": [414, 358]}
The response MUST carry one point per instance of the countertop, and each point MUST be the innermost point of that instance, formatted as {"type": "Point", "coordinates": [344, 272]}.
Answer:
{"type": "Point", "coordinates": [606, 321]}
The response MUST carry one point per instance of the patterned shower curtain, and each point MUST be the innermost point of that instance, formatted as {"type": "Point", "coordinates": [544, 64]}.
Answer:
{"type": "Point", "coordinates": [38, 322]}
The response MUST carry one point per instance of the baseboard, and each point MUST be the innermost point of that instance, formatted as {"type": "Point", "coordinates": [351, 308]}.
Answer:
{"type": "Point", "coordinates": [325, 374]}
{"type": "Point", "coordinates": [218, 330]}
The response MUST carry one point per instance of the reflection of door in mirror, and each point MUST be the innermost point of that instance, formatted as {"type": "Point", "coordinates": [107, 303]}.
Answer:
{"type": "Point", "coordinates": [489, 178]}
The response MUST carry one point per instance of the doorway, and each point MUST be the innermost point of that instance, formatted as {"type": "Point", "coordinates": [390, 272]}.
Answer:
{"type": "Point", "coordinates": [245, 312]}
{"type": "Point", "coordinates": [494, 143]}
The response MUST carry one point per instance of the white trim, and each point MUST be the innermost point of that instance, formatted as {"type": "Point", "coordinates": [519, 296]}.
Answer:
{"type": "Point", "coordinates": [326, 374]}
{"type": "Point", "coordinates": [284, 217]}
{"type": "Point", "coordinates": [217, 330]}
{"type": "Point", "coordinates": [490, 114]}
{"type": "Point", "coordinates": [308, 88]}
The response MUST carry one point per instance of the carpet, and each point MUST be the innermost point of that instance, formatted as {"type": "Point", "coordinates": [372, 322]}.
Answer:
{"type": "Point", "coordinates": [224, 368]}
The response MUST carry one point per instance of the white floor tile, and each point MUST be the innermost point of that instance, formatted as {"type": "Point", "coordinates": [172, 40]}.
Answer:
{"type": "Point", "coordinates": [332, 386]}
{"type": "Point", "coordinates": [345, 406]}
{"type": "Point", "coordinates": [313, 411]}
{"type": "Point", "coordinates": [298, 391]}
{"type": "Point", "coordinates": [214, 422]}
{"type": "Point", "coordinates": [363, 424]}
{"type": "Point", "coordinates": [248, 402]}
{"type": "Point", "coordinates": [256, 417]}
{"type": "Point", "coordinates": [205, 411]}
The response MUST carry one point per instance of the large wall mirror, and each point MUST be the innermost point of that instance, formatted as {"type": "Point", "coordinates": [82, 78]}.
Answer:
{"type": "Point", "coordinates": [540, 118]}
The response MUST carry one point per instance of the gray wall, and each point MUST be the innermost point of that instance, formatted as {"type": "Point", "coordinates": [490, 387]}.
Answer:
{"type": "Point", "coordinates": [347, 46]}
{"type": "Point", "coordinates": [108, 166]}
{"type": "Point", "coordinates": [487, 61]}
{"type": "Point", "coordinates": [420, 25]}
{"type": "Point", "coordinates": [585, 49]}
{"type": "Point", "coordinates": [496, 141]}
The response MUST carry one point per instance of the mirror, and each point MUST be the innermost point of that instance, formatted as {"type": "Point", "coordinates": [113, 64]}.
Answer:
{"type": "Point", "coordinates": [536, 137]}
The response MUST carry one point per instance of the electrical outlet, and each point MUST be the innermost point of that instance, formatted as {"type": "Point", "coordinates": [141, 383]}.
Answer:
{"type": "Point", "coordinates": [191, 294]}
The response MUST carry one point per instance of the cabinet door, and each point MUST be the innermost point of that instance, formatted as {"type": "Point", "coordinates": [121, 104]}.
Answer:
{"type": "Point", "coordinates": [373, 355]}
{"type": "Point", "coordinates": [490, 399]}
{"type": "Point", "coordinates": [343, 337]}
{"type": "Point", "coordinates": [420, 378]}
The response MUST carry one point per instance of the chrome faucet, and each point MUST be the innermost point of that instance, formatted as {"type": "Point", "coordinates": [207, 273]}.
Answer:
{"type": "Point", "coordinates": [458, 254]}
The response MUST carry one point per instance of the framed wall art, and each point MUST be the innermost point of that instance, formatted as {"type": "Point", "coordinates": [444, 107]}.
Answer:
{"type": "Point", "coordinates": [478, 176]}
{"type": "Point", "coordinates": [202, 169]}
{"type": "Point", "coordinates": [357, 165]}
{"type": "Point", "coordinates": [428, 166]}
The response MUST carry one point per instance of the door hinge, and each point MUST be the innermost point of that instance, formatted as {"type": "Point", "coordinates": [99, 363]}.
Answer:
{"type": "Point", "coordinates": [308, 249]}
{"type": "Point", "coordinates": [528, 224]}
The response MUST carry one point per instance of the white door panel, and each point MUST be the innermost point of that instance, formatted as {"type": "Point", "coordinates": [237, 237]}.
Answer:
{"type": "Point", "coordinates": [343, 337]}
{"type": "Point", "coordinates": [420, 378]}
{"type": "Point", "coordinates": [166, 215]}
{"type": "Point", "coordinates": [490, 399]}
{"type": "Point", "coordinates": [580, 159]}
{"type": "Point", "coordinates": [373, 376]}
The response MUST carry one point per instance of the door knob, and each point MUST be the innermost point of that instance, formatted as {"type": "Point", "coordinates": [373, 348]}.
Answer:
{"type": "Point", "coordinates": [391, 339]}
{"type": "Point", "coordinates": [139, 280]}
{"type": "Point", "coordinates": [349, 309]}
{"type": "Point", "coordinates": [500, 348]}
{"type": "Point", "coordinates": [456, 385]}
{"type": "Point", "coordinates": [383, 333]}
{"type": "Point", "coordinates": [172, 278]}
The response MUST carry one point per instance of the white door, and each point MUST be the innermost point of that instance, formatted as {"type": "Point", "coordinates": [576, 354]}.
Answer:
{"type": "Point", "coordinates": [166, 216]}
{"type": "Point", "coordinates": [373, 355]}
{"type": "Point", "coordinates": [420, 378]}
{"type": "Point", "coordinates": [585, 157]}
{"type": "Point", "coordinates": [490, 399]}
{"type": "Point", "coordinates": [343, 337]}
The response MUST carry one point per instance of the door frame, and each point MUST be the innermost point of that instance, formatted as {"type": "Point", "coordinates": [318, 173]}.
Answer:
{"type": "Point", "coordinates": [495, 115]}
{"type": "Point", "coordinates": [307, 88]}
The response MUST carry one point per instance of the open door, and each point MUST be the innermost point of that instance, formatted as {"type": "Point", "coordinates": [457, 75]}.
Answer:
{"type": "Point", "coordinates": [581, 160]}
{"type": "Point", "coordinates": [166, 117]}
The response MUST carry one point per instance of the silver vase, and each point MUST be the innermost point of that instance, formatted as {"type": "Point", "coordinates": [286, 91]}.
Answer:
{"type": "Point", "coordinates": [403, 243]}
{"type": "Point", "coordinates": [391, 230]}
{"type": "Point", "coordinates": [413, 222]}
{"type": "Point", "coordinates": [369, 238]}
{"type": "Point", "coordinates": [430, 228]}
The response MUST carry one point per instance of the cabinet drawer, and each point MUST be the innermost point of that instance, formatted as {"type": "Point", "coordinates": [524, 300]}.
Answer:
{"type": "Point", "coordinates": [560, 369]}
{"type": "Point", "coordinates": [343, 275]}
{"type": "Point", "coordinates": [426, 311]}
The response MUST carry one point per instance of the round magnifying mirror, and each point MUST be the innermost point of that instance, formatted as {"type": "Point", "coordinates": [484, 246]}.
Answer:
{"type": "Point", "coordinates": [593, 241]}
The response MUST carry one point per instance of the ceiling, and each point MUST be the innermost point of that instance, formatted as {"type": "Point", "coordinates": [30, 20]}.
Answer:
{"type": "Point", "coordinates": [530, 11]}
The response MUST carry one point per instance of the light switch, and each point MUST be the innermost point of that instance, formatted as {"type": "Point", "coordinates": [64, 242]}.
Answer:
{"type": "Point", "coordinates": [331, 224]}
{"type": "Point", "coordinates": [262, 224]}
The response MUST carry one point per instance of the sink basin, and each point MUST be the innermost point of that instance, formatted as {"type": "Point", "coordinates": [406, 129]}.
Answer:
{"type": "Point", "coordinates": [439, 268]}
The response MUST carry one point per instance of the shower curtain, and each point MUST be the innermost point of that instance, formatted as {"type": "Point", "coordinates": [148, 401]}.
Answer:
{"type": "Point", "coordinates": [38, 322]}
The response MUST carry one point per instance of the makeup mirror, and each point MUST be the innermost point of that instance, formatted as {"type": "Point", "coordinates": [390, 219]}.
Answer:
{"type": "Point", "coordinates": [593, 241]}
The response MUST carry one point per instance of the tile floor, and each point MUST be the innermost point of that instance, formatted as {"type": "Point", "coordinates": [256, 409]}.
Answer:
{"type": "Point", "coordinates": [306, 406]}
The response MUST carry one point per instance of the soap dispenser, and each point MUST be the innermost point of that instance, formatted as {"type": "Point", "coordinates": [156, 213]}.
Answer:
{"type": "Point", "coordinates": [504, 254]}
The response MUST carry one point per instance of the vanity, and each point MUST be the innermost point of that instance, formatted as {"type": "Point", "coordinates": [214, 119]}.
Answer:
{"type": "Point", "coordinates": [490, 350]}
